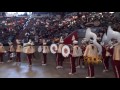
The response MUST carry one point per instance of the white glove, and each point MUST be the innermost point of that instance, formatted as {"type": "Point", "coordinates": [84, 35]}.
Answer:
{"type": "Point", "coordinates": [111, 47]}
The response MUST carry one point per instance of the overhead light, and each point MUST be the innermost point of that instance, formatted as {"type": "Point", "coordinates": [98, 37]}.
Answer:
{"type": "Point", "coordinates": [111, 12]}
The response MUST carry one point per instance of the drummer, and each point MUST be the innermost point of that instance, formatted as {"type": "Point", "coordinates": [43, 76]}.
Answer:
{"type": "Point", "coordinates": [11, 51]}
{"type": "Point", "coordinates": [73, 56]}
{"type": "Point", "coordinates": [29, 52]}
{"type": "Point", "coordinates": [45, 52]}
{"type": "Point", "coordinates": [18, 51]}
{"type": "Point", "coordinates": [60, 58]}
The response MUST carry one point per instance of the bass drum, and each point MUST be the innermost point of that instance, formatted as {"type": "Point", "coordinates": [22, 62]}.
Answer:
{"type": "Point", "coordinates": [40, 49]}
{"type": "Point", "coordinates": [53, 48]}
{"type": "Point", "coordinates": [65, 51]}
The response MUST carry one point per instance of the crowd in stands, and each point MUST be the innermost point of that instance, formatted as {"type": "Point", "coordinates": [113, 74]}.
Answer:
{"type": "Point", "coordinates": [54, 26]}
{"type": "Point", "coordinates": [10, 27]}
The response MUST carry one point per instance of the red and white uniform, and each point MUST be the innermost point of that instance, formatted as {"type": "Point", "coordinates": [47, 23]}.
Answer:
{"type": "Point", "coordinates": [2, 51]}
{"type": "Point", "coordinates": [73, 57]}
{"type": "Point", "coordinates": [29, 50]}
{"type": "Point", "coordinates": [116, 59]}
{"type": "Point", "coordinates": [33, 55]}
{"type": "Point", "coordinates": [60, 58]}
{"type": "Point", "coordinates": [18, 52]}
{"type": "Point", "coordinates": [106, 58]}
{"type": "Point", "coordinates": [80, 59]}
{"type": "Point", "coordinates": [91, 52]}
{"type": "Point", "coordinates": [45, 51]}
{"type": "Point", "coordinates": [11, 50]}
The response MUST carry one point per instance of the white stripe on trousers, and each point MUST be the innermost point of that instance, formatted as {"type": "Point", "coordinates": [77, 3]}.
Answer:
{"type": "Point", "coordinates": [90, 71]}
{"type": "Point", "coordinates": [116, 70]}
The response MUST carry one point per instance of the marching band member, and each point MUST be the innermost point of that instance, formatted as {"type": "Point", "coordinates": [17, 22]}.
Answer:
{"type": "Point", "coordinates": [29, 51]}
{"type": "Point", "coordinates": [73, 56]}
{"type": "Point", "coordinates": [91, 52]}
{"type": "Point", "coordinates": [45, 51]}
{"type": "Point", "coordinates": [18, 51]}
{"type": "Point", "coordinates": [60, 58]}
{"type": "Point", "coordinates": [82, 47]}
{"type": "Point", "coordinates": [2, 51]}
{"type": "Point", "coordinates": [115, 50]}
{"type": "Point", "coordinates": [106, 58]}
{"type": "Point", "coordinates": [80, 58]}
{"type": "Point", "coordinates": [11, 51]}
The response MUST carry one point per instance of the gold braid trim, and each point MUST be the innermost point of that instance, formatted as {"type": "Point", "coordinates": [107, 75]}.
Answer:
{"type": "Point", "coordinates": [93, 60]}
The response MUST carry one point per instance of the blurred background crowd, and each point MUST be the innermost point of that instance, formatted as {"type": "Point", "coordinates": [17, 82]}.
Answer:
{"type": "Point", "coordinates": [52, 25]}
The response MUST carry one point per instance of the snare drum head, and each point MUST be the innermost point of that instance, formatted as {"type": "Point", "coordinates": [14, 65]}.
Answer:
{"type": "Point", "coordinates": [65, 51]}
{"type": "Point", "coordinates": [53, 48]}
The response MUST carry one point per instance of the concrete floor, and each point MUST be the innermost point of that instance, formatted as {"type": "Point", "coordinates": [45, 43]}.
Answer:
{"type": "Point", "coordinates": [11, 70]}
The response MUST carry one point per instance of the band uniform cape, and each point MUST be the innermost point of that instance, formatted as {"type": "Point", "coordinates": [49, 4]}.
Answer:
{"type": "Point", "coordinates": [33, 47]}
{"type": "Point", "coordinates": [91, 54]}
{"type": "Point", "coordinates": [60, 45]}
{"type": "Point", "coordinates": [19, 47]}
{"type": "Point", "coordinates": [60, 48]}
{"type": "Point", "coordinates": [116, 52]}
{"type": "Point", "coordinates": [29, 49]}
{"type": "Point", "coordinates": [45, 48]}
{"type": "Point", "coordinates": [2, 49]}
{"type": "Point", "coordinates": [76, 51]}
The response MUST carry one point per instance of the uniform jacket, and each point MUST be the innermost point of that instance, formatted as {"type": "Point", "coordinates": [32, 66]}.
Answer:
{"type": "Point", "coordinates": [2, 49]}
{"type": "Point", "coordinates": [45, 49]}
{"type": "Point", "coordinates": [77, 51]}
{"type": "Point", "coordinates": [29, 50]}
{"type": "Point", "coordinates": [89, 52]}
{"type": "Point", "coordinates": [116, 52]}
{"type": "Point", "coordinates": [60, 48]}
{"type": "Point", "coordinates": [19, 48]}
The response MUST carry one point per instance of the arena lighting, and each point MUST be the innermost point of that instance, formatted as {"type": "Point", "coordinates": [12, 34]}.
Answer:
{"type": "Point", "coordinates": [83, 16]}
{"type": "Point", "coordinates": [10, 14]}
{"type": "Point", "coordinates": [111, 12]}
{"type": "Point", "coordinates": [100, 13]}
